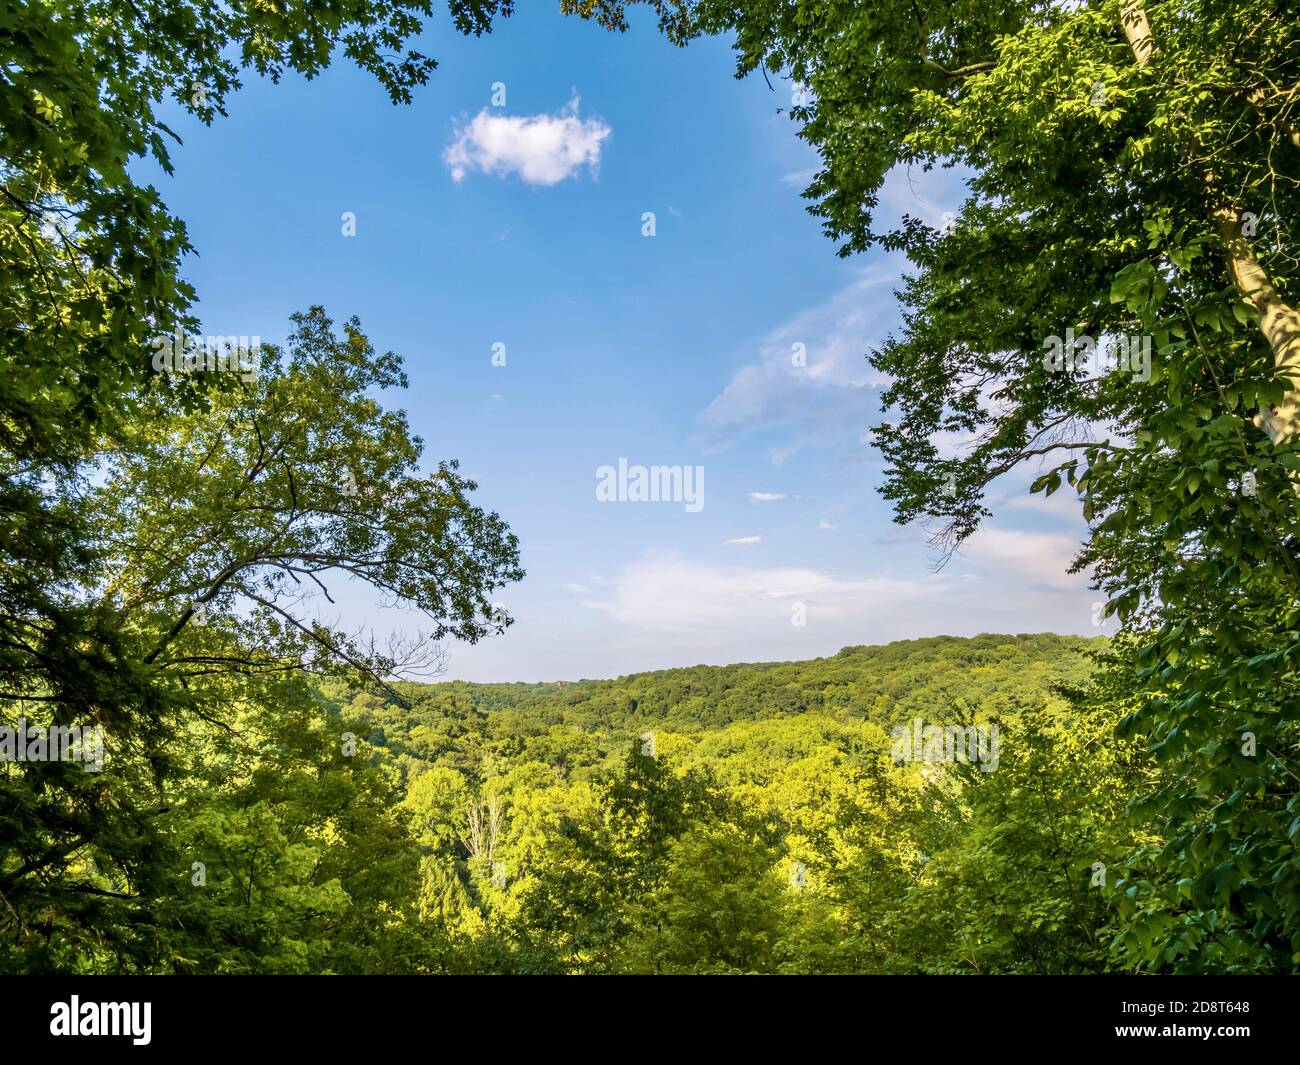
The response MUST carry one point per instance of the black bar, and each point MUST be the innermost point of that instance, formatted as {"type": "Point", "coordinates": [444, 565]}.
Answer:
{"type": "Point", "coordinates": [333, 1014]}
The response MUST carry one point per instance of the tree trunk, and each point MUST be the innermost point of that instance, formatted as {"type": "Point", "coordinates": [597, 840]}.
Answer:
{"type": "Point", "coordinates": [1278, 320]}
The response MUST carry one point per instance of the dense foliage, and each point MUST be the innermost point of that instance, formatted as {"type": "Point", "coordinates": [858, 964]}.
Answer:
{"type": "Point", "coordinates": [755, 818]}
{"type": "Point", "coordinates": [166, 540]}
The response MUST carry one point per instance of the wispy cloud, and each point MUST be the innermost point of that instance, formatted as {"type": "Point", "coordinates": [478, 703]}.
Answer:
{"type": "Point", "coordinates": [539, 149]}
{"type": "Point", "coordinates": [665, 608]}
{"type": "Point", "coordinates": [666, 592]}
{"type": "Point", "coordinates": [744, 541]}
{"type": "Point", "coordinates": [766, 497]}
{"type": "Point", "coordinates": [810, 382]}
{"type": "Point", "coordinates": [669, 605]}
{"type": "Point", "coordinates": [811, 377]}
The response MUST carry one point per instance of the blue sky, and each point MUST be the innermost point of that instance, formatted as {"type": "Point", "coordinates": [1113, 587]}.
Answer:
{"type": "Point", "coordinates": [522, 225]}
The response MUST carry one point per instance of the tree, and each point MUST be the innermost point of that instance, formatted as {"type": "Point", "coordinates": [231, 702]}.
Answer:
{"type": "Point", "coordinates": [791, 844]}
{"type": "Point", "coordinates": [611, 860]}
{"type": "Point", "coordinates": [1017, 866]}
{"type": "Point", "coordinates": [219, 535]}
{"type": "Point", "coordinates": [720, 906]}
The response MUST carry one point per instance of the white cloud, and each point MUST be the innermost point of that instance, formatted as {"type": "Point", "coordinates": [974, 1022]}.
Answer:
{"type": "Point", "coordinates": [1028, 558]}
{"type": "Point", "coordinates": [826, 526]}
{"type": "Point", "coordinates": [539, 149]}
{"type": "Point", "coordinates": [745, 540]}
{"type": "Point", "coordinates": [665, 609]}
{"type": "Point", "coordinates": [666, 592]}
{"type": "Point", "coordinates": [766, 497]}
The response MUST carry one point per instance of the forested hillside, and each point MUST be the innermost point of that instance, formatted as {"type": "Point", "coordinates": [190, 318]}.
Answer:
{"type": "Point", "coordinates": [986, 674]}
{"type": "Point", "coordinates": [752, 818]}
